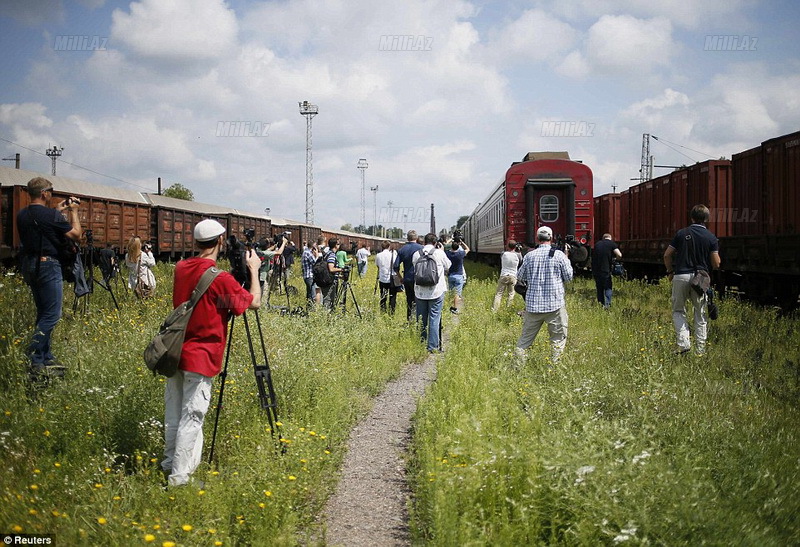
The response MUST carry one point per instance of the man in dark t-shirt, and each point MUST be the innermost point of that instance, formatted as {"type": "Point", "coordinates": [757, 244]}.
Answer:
{"type": "Point", "coordinates": [42, 231]}
{"type": "Point", "coordinates": [405, 256]}
{"type": "Point", "coordinates": [693, 248]}
{"type": "Point", "coordinates": [602, 257]}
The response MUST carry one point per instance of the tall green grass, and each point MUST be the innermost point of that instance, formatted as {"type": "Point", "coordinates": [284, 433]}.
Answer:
{"type": "Point", "coordinates": [622, 441]}
{"type": "Point", "coordinates": [80, 458]}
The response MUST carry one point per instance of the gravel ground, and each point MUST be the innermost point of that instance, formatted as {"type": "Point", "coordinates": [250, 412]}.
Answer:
{"type": "Point", "coordinates": [370, 505]}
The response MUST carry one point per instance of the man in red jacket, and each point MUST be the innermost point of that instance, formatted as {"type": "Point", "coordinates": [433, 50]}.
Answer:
{"type": "Point", "coordinates": [188, 392]}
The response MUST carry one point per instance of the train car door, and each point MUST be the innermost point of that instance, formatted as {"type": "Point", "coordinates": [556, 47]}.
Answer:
{"type": "Point", "coordinates": [551, 202]}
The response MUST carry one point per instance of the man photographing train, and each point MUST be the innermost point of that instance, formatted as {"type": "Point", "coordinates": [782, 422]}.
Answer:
{"type": "Point", "coordinates": [43, 232]}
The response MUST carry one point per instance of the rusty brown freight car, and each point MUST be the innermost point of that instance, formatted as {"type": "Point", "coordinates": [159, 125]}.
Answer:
{"type": "Point", "coordinates": [112, 214]}
{"type": "Point", "coordinates": [607, 216]}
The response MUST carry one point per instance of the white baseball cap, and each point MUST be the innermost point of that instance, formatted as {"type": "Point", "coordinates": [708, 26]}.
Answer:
{"type": "Point", "coordinates": [208, 230]}
{"type": "Point", "coordinates": [544, 232]}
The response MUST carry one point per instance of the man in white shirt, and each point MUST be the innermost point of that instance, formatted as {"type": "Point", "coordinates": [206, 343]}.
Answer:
{"type": "Point", "coordinates": [431, 297]}
{"type": "Point", "coordinates": [361, 260]}
{"type": "Point", "coordinates": [384, 261]}
{"type": "Point", "coordinates": [509, 262]}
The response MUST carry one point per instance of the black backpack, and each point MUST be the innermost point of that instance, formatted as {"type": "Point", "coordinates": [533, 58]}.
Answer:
{"type": "Point", "coordinates": [426, 270]}
{"type": "Point", "coordinates": [322, 275]}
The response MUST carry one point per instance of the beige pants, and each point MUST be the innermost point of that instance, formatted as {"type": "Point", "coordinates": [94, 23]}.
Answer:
{"type": "Point", "coordinates": [557, 322]}
{"type": "Point", "coordinates": [505, 283]}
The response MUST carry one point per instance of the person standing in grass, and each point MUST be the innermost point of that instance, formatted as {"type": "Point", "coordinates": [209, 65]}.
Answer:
{"type": "Point", "coordinates": [43, 231]}
{"type": "Point", "coordinates": [456, 277]}
{"type": "Point", "coordinates": [405, 256]}
{"type": "Point", "coordinates": [188, 392]}
{"type": "Point", "coordinates": [384, 261]}
{"type": "Point", "coordinates": [693, 248]}
{"type": "Point", "coordinates": [362, 256]}
{"type": "Point", "coordinates": [430, 298]}
{"type": "Point", "coordinates": [545, 270]}
{"type": "Point", "coordinates": [602, 257]}
{"type": "Point", "coordinates": [509, 264]}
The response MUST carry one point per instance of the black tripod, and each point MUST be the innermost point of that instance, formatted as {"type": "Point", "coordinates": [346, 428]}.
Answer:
{"type": "Point", "coordinates": [340, 288]}
{"type": "Point", "coordinates": [109, 269]}
{"type": "Point", "coordinates": [266, 391]}
{"type": "Point", "coordinates": [278, 279]}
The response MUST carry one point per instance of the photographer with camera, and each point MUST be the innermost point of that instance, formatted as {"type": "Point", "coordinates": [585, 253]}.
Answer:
{"type": "Point", "coordinates": [456, 276]}
{"type": "Point", "coordinates": [43, 231]}
{"type": "Point", "coordinates": [330, 259]}
{"type": "Point", "coordinates": [509, 263]}
{"type": "Point", "coordinates": [430, 292]}
{"type": "Point", "coordinates": [405, 256]}
{"type": "Point", "coordinates": [139, 260]}
{"type": "Point", "coordinates": [188, 392]}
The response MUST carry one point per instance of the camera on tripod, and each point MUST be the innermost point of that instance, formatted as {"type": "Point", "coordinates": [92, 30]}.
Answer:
{"type": "Point", "coordinates": [237, 256]}
{"type": "Point", "coordinates": [89, 237]}
{"type": "Point", "coordinates": [345, 273]}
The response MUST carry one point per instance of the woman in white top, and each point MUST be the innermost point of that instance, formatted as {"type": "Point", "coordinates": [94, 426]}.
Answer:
{"type": "Point", "coordinates": [509, 263]}
{"type": "Point", "coordinates": [139, 261]}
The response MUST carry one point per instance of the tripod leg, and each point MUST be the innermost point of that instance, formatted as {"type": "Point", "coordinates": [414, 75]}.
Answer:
{"type": "Point", "coordinates": [222, 378]}
{"type": "Point", "coordinates": [355, 302]}
{"type": "Point", "coordinates": [266, 390]}
{"type": "Point", "coordinates": [286, 288]}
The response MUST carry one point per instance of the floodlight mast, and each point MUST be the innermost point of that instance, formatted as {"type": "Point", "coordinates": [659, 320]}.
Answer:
{"type": "Point", "coordinates": [374, 190]}
{"type": "Point", "coordinates": [309, 111]}
{"type": "Point", "coordinates": [362, 164]}
{"type": "Point", "coordinates": [54, 153]}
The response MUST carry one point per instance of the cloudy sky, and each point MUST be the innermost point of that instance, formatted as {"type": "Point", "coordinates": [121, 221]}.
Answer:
{"type": "Point", "coordinates": [439, 96]}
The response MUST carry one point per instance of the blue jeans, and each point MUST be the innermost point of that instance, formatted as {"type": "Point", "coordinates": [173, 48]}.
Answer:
{"type": "Point", "coordinates": [48, 293]}
{"type": "Point", "coordinates": [309, 281]}
{"type": "Point", "coordinates": [430, 313]}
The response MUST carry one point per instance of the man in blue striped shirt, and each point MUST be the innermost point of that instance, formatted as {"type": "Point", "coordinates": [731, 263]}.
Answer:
{"type": "Point", "coordinates": [545, 270]}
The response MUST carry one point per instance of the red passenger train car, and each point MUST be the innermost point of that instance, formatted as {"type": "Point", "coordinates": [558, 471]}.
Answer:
{"type": "Point", "coordinates": [544, 189]}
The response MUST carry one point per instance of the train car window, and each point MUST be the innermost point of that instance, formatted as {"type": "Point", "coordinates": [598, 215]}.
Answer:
{"type": "Point", "coordinates": [548, 208]}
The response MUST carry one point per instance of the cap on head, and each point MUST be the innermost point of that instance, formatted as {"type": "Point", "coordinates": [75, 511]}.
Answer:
{"type": "Point", "coordinates": [208, 230]}
{"type": "Point", "coordinates": [544, 233]}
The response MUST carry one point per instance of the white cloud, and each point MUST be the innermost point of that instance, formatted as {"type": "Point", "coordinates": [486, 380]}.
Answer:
{"type": "Point", "coordinates": [621, 44]}
{"type": "Point", "coordinates": [534, 36]}
{"type": "Point", "coordinates": [176, 32]}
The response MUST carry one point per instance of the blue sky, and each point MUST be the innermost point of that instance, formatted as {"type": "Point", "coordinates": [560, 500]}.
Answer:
{"type": "Point", "coordinates": [439, 124]}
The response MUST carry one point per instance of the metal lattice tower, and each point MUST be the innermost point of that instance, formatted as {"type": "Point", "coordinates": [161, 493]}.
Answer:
{"type": "Point", "coordinates": [433, 220]}
{"type": "Point", "coordinates": [54, 153]}
{"type": "Point", "coordinates": [646, 168]}
{"type": "Point", "coordinates": [363, 165]}
{"type": "Point", "coordinates": [309, 111]}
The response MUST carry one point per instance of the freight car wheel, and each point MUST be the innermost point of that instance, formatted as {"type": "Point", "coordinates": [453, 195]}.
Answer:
{"type": "Point", "coordinates": [578, 254]}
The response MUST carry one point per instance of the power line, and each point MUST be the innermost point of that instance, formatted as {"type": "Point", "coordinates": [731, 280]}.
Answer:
{"type": "Point", "coordinates": [659, 139]}
{"type": "Point", "coordinates": [80, 166]}
{"type": "Point", "coordinates": [675, 149]}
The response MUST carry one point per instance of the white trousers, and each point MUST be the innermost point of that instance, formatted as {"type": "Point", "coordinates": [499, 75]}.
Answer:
{"type": "Point", "coordinates": [505, 283]}
{"type": "Point", "coordinates": [186, 399]}
{"type": "Point", "coordinates": [681, 292]}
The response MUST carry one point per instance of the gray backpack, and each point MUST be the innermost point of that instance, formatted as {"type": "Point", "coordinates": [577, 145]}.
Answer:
{"type": "Point", "coordinates": [426, 270]}
{"type": "Point", "coordinates": [163, 354]}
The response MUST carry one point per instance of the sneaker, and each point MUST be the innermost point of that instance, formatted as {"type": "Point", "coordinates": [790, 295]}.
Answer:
{"type": "Point", "coordinates": [681, 351]}
{"type": "Point", "coordinates": [454, 311]}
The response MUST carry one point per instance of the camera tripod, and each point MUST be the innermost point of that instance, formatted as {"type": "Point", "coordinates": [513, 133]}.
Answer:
{"type": "Point", "coordinates": [266, 391]}
{"type": "Point", "coordinates": [89, 252]}
{"type": "Point", "coordinates": [341, 285]}
{"type": "Point", "coordinates": [278, 279]}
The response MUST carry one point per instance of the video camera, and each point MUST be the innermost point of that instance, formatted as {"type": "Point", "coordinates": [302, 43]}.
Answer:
{"type": "Point", "coordinates": [89, 236]}
{"type": "Point", "coordinates": [278, 237]}
{"type": "Point", "coordinates": [345, 273]}
{"type": "Point", "coordinates": [237, 256]}
{"type": "Point", "coordinates": [458, 237]}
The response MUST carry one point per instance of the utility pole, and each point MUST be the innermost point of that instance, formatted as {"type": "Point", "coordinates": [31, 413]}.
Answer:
{"type": "Point", "coordinates": [362, 164]}
{"type": "Point", "coordinates": [15, 159]}
{"type": "Point", "coordinates": [433, 220]}
{"type": "Point", "coordinates": [309, 111]}
{"type": "Point", "coordinates": [54, 153]}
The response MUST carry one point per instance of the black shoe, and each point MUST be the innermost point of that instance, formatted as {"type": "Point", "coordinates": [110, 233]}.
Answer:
{"type": "Point", "coordinates": [681, 351]}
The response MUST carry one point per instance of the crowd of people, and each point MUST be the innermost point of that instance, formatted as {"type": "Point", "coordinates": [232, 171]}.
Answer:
{"type": "Point", "coordinates": [425, 269]}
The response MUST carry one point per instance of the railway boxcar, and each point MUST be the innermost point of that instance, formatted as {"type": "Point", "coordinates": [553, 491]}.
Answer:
{"type": "Point", "coordinates": [173, 221]}
{"type": "Point", "coordinates": [653, 211]}
{"type": "Point", "coordinates": [112, 214]}
{"type": "Point", "coordinates": [607, 215]}
{"type": "Point", "coordinates": [545, 189]}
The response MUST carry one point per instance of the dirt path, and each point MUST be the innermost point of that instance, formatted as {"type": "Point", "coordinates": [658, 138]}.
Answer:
{"type": "Point", "coordinates": [370, 505]}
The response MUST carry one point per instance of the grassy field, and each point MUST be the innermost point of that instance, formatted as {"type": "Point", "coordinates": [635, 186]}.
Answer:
{"type": "Point", "coordinates": [622, 441]}
{"type": "Point", "coordinates": [80, 458]}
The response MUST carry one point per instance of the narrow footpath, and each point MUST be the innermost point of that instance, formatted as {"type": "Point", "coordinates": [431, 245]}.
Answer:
{"type": "Point", "coordinates": [370, 505]}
